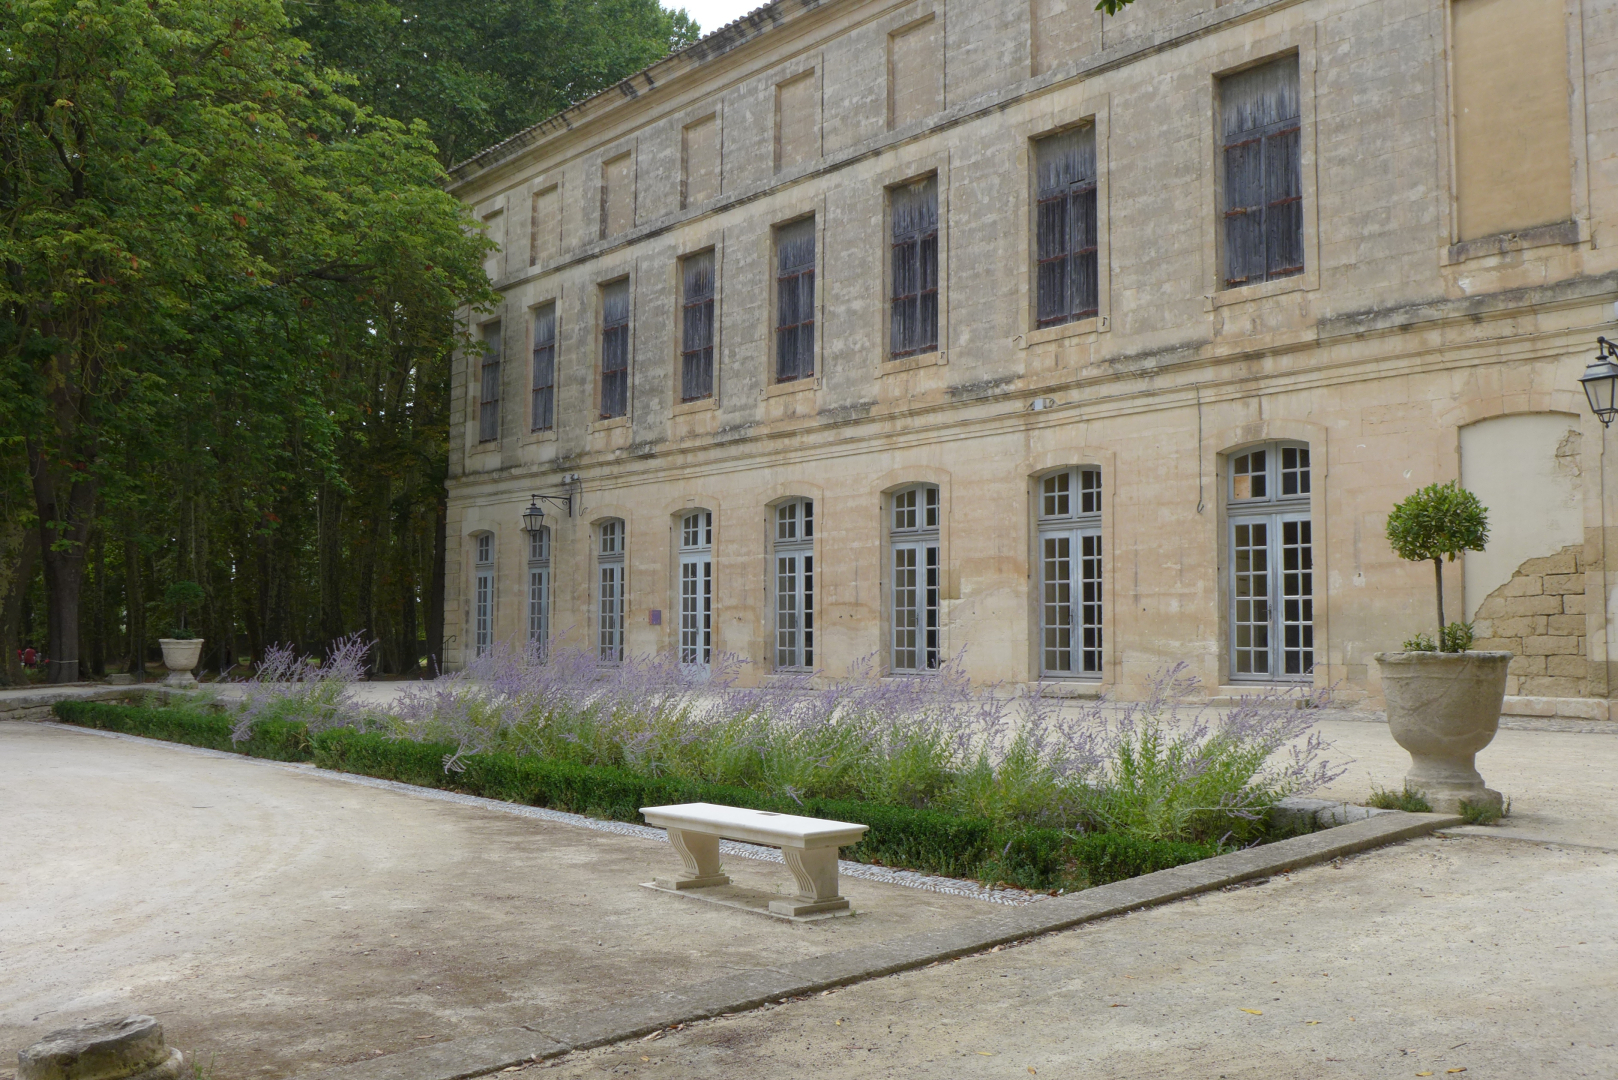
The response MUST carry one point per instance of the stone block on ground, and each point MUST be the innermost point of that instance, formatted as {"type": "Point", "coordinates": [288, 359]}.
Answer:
{"type": "Point", "coordinates": [119, 1049]}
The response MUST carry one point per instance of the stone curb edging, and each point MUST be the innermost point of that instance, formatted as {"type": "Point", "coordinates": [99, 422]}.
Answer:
{"type": "Point", "coordinates": [583, 1029]}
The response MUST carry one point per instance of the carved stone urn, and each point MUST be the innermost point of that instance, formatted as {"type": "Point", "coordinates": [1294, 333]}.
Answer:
{"type": "Point", "coordinates": [181, 656]}
{"type": "Point", "coordinates": [1444, 708]}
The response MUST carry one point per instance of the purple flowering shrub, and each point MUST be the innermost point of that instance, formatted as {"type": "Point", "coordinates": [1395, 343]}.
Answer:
{"type": "Point", "coordinates": [1159, 769]}
{"type": "Point", "coordinates": [287, 686]}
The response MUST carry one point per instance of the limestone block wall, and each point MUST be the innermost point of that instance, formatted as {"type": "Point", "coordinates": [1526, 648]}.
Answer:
{"type": "Point", "coordinates": [1539, 616]}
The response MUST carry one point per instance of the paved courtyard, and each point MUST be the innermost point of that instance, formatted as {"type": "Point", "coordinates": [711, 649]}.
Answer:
{"type": "Point", "coordinates": [279, 921]}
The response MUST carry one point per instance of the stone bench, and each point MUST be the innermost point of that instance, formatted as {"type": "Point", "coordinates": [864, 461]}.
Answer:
{"type": "Point", "coordinates": [809, 846]}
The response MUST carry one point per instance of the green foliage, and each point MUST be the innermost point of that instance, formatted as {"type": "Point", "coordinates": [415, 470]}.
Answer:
{"type": "Point", "coordinates": [918, 839]}
{"type": "Point", "coordinates": [1412, 802]}
{"type": "Point", "coordinates": [1483, 813]}
{"type": "Point", "coordinates": [1419, 642]}
{"type": "Point", "coordinates": [180, 596]}
{"type": "Point", "coordinates": [476, 73]}
{"type": "Point", "coordinates": [1437, 521]}
{"type": "Point", "coordinates": [1457, 637]}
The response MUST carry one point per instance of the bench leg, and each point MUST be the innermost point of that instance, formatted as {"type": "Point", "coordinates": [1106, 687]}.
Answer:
{"type": "Point", "coordinates": [700, 854]}
{"type": "Point", "coordinates": [815, 871]}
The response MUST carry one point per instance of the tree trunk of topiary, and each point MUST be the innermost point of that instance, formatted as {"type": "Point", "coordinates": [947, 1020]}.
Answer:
{"type": "Point", "coordinates": [1438, 575]}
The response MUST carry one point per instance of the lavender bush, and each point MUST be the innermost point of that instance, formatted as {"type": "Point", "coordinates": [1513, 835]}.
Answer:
{"type": "Point", "coordinates": [1158, 769]}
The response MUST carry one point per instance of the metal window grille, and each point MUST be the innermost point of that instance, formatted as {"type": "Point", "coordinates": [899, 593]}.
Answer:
{"type": "Point", "coordinates": [697, 332]}
{"type": "Point", "coordinates": [914, 565]}
{"type": "Point", "coordinates": [615, 350]}
{"type": "Point", "coordinates": [913, 302]}
{"type": "Point", "coordinates": [489, 398]}
{"type": "Point", "coordinates": [1070, 573]}
{"type": "Point", "coordinates": [795, 584]}
{"type": "Point", "coordinates": [539, 587]}
{"type": "Point", "coordinates": [1271, 559]}
{"type": "Point", "coordinates": [1065, 225]}
{"type": "Point", "coordinates": [1263, 194]}
{"type": "Point", "coordinates": [611, 600]}
{"type": "Point", "coordinates": [795, 301]}
{"type": "Point", "coordinates": [544, 393]}
{"type": "Point", "coordinates": [696, 588]}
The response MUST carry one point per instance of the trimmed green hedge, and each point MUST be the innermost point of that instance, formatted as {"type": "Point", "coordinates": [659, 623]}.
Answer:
{"type": "Point", "coordinates": [926, 840]}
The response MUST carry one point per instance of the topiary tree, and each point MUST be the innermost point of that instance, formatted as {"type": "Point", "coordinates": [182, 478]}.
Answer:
{"type": "Point", "coordinates": [181, 596]}
{"type": "Point", "coordinates": [1438, 520]}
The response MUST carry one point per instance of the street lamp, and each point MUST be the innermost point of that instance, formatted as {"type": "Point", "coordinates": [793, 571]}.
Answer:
{"type": "Point", "coordinates": [533, 518]}
{"type": "Point", "coordinates": [1600, 382]}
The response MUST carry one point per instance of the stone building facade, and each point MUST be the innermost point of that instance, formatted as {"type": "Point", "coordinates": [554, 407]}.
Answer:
{"type": "Point", "coordinates": [874, 331]}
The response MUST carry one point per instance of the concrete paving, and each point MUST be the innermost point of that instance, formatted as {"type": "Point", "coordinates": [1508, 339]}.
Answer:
{"type": "Point", "coordinates": [1427, 958]}
{"type": "Point", "coordinates": [280, 920]}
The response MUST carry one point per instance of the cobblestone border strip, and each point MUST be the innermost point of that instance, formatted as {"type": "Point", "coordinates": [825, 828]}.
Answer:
{"type": "Point", "coordinates": [910, 879]}
{"type": "Point", "coordinates": [582, 1029]}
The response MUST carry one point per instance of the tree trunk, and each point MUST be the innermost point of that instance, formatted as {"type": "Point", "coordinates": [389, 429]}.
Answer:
{"type": "Point", "coordinates": [135, 606]}
{"type": "Point", "coordinates": [330, 554]}
{"type": "Point", "coordinates": [26, 561]}
{"type": "Point", "coordinates": [64, 497]}
{"type": "Point", "coordinates": [1438, 575]}
{"type": "Point", "coordinates": [435, 592]}
{"type": "Point", "coordinates": [98, 632]}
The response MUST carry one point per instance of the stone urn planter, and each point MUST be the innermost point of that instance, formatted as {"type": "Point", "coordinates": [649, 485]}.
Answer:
{"type": "Point", "coordinates": [1444, 708]}
{"type": "Point", "coordinates": [181, 656]}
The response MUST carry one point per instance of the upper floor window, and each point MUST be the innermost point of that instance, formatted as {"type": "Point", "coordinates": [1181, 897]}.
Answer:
{"type": "Point", "coordinates": [1263, 189]}
{"type": "Point", "coordinates": [795, 300]}
{"type": "Point", "coordinates": [913, 250]}
{"type": "Point", "coordinates": [696, 340]}
{"type": "Point", "coordinates": [794, 551]}
{"type": "Point", "coordinates": [914, 588]}
{"type": "Point", "coordinates": [1070, 572]}
{"type": "Point", "coordinates": [489, 397]}
{"type": "Point", "coordinates": [1066, 227]}
{"type": "Point", "coordinates": [544, 394]}
{"type": "Point", "coordinates": [615, 349]}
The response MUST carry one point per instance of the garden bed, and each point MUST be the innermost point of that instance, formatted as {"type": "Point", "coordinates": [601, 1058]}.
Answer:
{"type": "Point", "coordinates": [921, 839]}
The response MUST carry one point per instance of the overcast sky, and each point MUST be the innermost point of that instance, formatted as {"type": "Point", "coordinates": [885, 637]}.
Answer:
{"type": "Point", "coordinates": [712, 14]}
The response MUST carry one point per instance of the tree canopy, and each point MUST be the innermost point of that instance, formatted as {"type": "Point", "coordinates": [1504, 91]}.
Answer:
{"type": "Point", "coordinates": [232, 282]}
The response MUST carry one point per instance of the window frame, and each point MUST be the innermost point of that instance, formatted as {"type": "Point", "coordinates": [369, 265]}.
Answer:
{"type": "Point", "coordinates": [699, 329]}
{"type": "Point", "coordinates": [1234, 218]}
{"type": "Point", "coordinates": [1070, 506]}
{"type": "Point", "coordinates": [613, 382]}
{"type": "Point", "coordinates": [1289, 622]}
{"type": "Point", "coordinates": [913, 242]}
{"type": "Point", "coordinates": [483, 593]}
{"type": "Point", "coordinates": [1080, 190]}
{"type": "Point", "coordinates": [695, 582]}
{"type": "Point", "coordinates": [792, 647]}
{"type": "Point", "coordinates": [542, 393]}
{"type": "Point", "coordinates": [803, 278]}
{"type": "Point", "coordinates": [489, 375]}
{"type": "Point", "coordinates": [611, 589]}
{"type": "Point", "coordinates": [914, 557]}
{"type": "Point", "coordinates": [539, 588]}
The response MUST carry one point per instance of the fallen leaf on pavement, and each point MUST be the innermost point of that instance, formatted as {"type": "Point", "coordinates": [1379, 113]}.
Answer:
{"type": "Point", "coordinates": [1424, 1074]}
{"type": "Point", "coordinates": [1255, 1012]}
{"type": "Point", "coordinates": [1461, 1069]}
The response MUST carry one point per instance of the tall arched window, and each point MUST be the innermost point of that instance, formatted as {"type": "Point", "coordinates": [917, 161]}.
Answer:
{"type": "Point", "coordinates": [794, 548]}
{"type": "Point", "coordinates": [539, 587]}
{"type": "Point", "coordinates": [1271, 559]}
{"type": "Point", "coordinates": [1070, 572]}
{"type": "Point", "coordinates": [913, 564]}
{"type": "Point", "coordinates": [483, 593]}
{"type": "Point", "coordinates": [696, 587]}
{"type": "Point", "coordinates": [611, 543]}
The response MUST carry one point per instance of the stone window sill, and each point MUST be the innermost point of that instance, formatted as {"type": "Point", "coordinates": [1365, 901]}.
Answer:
{"type": "Point", "coordinates": [911, 363]}
{"type": "Point", "coordinates": [1077, 328]}
{"type": "Point", "coordinates": [685, 408]}
{"type": "Point", "coordinates": [609, 425]}
{"type": "Point", "coordinates": [796, 386]}
{"type": "Point", "coordinates": [1308, 281]}
{"type": "Point", "coordinates": [1560, 234]}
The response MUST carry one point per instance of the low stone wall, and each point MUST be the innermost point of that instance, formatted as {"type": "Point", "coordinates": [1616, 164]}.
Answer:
{"type": "Point", "coordinates": [1539, 617]}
